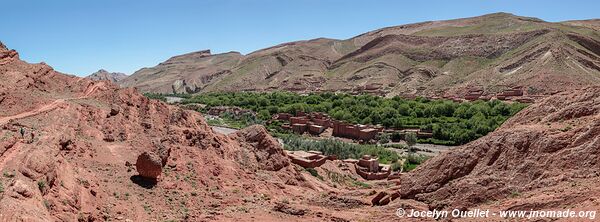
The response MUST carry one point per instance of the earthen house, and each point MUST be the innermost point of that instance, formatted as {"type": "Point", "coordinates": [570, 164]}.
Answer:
{"type": "Point", "coordinates": [308, 159]}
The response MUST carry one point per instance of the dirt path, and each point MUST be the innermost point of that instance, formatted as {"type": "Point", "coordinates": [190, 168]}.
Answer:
{"type": "Point", "coordinates": [51, 106]}
{"type": "Point", "coordinates": [34, 112]}
{"type": "Point", "coordinates": [14, 151]}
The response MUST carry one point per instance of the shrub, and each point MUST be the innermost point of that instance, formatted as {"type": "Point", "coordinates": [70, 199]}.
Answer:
{"type": "Point", "coordinates": [412, 161]}
{"type": "Point", "coordinates": [361, 184]}
{"type": "Point", "coordinates": [411, 140]}
{"type": "Point", "coordinates": [47, 204]}
{"type": "Point", "coordinates": [396, 166]}
{"type": "Point", "coordinates": [314, 173]}
{"type": "Point", "coordinates": [384, 138]}
{"type": "Point", "coordinates": [41, 185]}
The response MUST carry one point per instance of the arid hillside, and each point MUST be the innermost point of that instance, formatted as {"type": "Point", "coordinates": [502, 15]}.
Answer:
{"type": "Point", "coordinates": [184, 73]}
{"type": "Point", "coordinates": [546, 157]}
{"type": "Point", "coordinates": [69, 152]}
{"type": "Point", "coordinates": [492, 52]}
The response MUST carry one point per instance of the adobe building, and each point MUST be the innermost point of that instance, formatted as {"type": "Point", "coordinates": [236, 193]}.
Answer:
{"type": "Point", "coordinates": [370, 169]}
{"type": "Point", "coordinates": [282, 116]}
{"type": "Point", "coordinates": [299, 120]}
{"type": "Point", "coordinates": [299, 128]}
{"type": "Point", "coordinates": [507, 94]}
{"type": "Point", "coordinates": [314, 123]}
{"type": "Point", "coordinates": [308, 159]}
{"type": "Point", "coordinates": [316, 129]}
{"type": "Point", "coordinates": [357, 132]}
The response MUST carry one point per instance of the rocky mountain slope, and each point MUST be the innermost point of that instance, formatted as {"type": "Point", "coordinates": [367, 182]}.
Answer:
{"type": "Point", "coordinates": [105, 75]}
{"type": "Point", "coordinates": [546, 157]}
{"type": "Point", "coordinates": [184, 73]}
{"type": "Point", "coordinates": [68, 147]}
{"type": "Point", "coordinates": [493, 52]}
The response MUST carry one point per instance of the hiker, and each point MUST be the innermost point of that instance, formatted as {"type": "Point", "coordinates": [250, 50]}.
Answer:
{"type": "Point", "coordinates": [22, 131]}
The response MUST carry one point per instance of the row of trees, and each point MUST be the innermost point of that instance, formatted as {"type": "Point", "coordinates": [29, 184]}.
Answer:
{"type": "Point", "coordinates": [341, 149]}
{"type": "Point", "coordinates": [452, 123]}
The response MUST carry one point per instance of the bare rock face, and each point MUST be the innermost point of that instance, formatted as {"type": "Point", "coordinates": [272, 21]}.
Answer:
{"type": "Point", "coordinates": [149, 165]}
{"type": "Point", "coordinates": [268, 152]}
{"type": "Point", "coordinates": [105, 75]}
{"type": "Point", "coordinates": [164, 153]}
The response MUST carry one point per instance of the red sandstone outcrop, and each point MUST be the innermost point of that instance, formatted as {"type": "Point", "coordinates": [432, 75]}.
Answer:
{"type": "Point", "coordinates": [267, 151]}
{"type": "Point", "coordinates": [149, 165]}
{"type": "Point", "coordinates": [79, 133]}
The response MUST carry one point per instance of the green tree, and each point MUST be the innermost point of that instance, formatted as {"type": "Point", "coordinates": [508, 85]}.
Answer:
{"type": "Point", "coordinates": [411, 140]}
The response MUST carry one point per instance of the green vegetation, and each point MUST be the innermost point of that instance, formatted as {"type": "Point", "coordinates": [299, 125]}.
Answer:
{"type": "Point", "coordinates": [411, 140]}
{"type": "Point", "coordinates": [338, 178]}
{"type": "Point", "coordinates": [412, 161]}
{"type": "Point", "coordinates": [514, 193]}
{"type": "Point", "coordinates": [451, 123]}
{"type": "Point", "coordinates": [47, 204]}
{"type": "Point", "coordinates": [41, 185]}
{"type": "Point", "coordinates": [314, 173]}
{"type": "Point", "coordinates": [9, 174]}
{"type": "Point", "coordinates": [157, 96]}
{"type": "Point", "coordinates": [338, 148]}
{"type": "Point", "coordinates": [361, 184]}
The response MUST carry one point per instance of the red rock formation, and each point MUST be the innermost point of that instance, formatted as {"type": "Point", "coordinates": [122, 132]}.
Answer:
{"type": "Point", "coordinates": [549, 142]}
{"type": "Point", "coordinates": [268, 152]}
{"type": "Point", "coordinates": [80, 134]}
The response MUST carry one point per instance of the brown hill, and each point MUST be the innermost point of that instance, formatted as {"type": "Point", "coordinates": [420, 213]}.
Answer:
{"type": "Point", "coordinates": [186, 73]}
{"type": "Point", "coordinates": [545, 157]}
{"type": "Point", "coordinates": [492, 52]}
{"type": "Point", "coordinates": [105, 75]}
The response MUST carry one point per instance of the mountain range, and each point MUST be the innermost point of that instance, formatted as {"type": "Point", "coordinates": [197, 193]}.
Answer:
{"type": "Point", "coordinates": [492, 52]}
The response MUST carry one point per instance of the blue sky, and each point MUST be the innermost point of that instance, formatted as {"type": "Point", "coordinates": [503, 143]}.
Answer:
{"type": "Point", "coordinates": [80, 37]}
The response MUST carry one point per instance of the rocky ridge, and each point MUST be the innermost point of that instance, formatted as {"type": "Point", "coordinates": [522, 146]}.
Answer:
{"type": "Point", "coordinates": [105, 75]}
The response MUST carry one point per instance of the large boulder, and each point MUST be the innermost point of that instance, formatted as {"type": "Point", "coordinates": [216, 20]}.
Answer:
{"type": "Point", "coordinates": [149, 165]}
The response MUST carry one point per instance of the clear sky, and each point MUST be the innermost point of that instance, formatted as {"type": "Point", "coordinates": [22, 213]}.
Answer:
{"type": "Point", "coordinates": [81, 36]}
